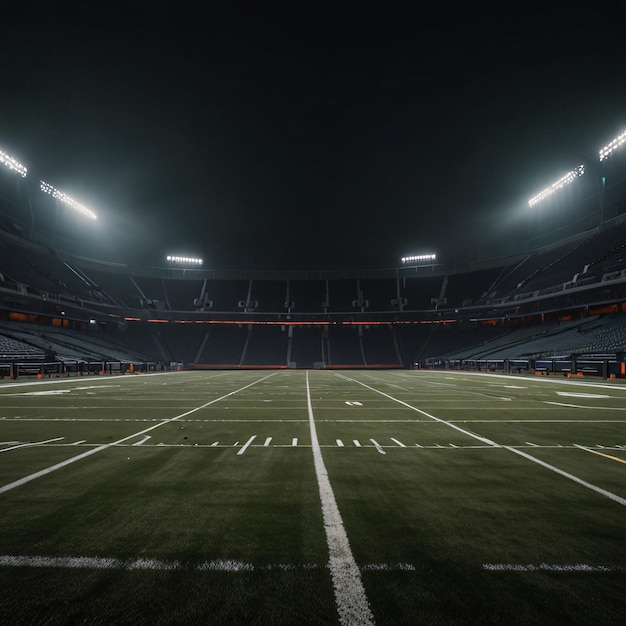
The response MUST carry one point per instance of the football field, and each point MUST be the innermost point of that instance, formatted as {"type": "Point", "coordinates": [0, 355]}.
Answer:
{"type": "Point", "coordinates": [313, 497]}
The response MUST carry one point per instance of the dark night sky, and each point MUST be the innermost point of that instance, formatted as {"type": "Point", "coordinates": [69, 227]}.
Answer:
{"type": "Point", "coordinates": [305, 135]}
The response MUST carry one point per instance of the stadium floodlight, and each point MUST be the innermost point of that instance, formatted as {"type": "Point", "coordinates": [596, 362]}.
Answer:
{"type": "Point", "coordinates": [185, 260]}
{"type": "Point", "coordinates": [62, 197]}
{"type": "Point", "coordinates": [419, 258]}
{"type": "Point", "coordinates": [613, 145]}
{"type": "Point", "coordinates": [570, 177]}
{"type": "Point", "coordinates": [12, 164]}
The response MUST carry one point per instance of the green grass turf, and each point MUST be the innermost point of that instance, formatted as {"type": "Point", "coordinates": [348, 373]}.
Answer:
{"type": "Point", "coordinates": [425, 509]}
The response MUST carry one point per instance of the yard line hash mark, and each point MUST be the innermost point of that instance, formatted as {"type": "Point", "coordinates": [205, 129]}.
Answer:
{"type": "Point", "coordinates": [580, 481]}
{"type": "Point", "coordinates": [52, 468]}
{"type": "Point", "coordinates": [606, 456]}
{"type": "Point", "coordinates": [378, 446]}
{"type": "Point", "coordinates": [142, 441]}
{"type": "Point", "coordinates": [245, 445]}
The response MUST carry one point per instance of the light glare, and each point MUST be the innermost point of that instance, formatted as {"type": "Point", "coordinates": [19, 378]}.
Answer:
{"type": "Point", "coordinates": [418, 258]}
{"type": "Point", "coordinates": [184, 259]}
{"type": "Point", "coordinates": [616, 143]}
{"type": "Point", "coordinates": [62, 197]}
{"type": "Point", "coordinates": [12, 164]}
{"type": "Point", "coordinates": [564, 180]}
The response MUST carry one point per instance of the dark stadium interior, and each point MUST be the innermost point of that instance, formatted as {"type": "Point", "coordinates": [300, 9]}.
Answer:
{"type": "Point", "coordinates": [312, 312]}
{"type": "Point", "coordinates": [62, 312]}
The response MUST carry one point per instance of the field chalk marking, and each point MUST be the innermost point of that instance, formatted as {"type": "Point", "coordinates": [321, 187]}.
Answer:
{"type": "Point", "coordinates": [606, 456]}
{"type": "Point", "coordinates": [378, 446]}
{"type": "Point", "coordinates": [552, 468]}
{"type": "Point", "coordinates": [31, 444]}
{"type": "Point", "coordinates": [52, 468]}
{"type": "Point", "coordinates": [233, 566]}
{"type": "Point", "coordinates": [545, 567]}
{"type": "Point", "coordinates": [217, 565]}
{"type": "Point", "coordinates": [352, 604]}
{"type": "Point", "coordinates": [245, 445]}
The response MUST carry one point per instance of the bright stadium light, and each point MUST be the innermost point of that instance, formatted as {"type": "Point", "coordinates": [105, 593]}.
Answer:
{"type": "Point", "coordinates": [62, 197]}
{"type": "Point", "coordinates": [186, 260]}
{"type": "Point", "coordinates": [616, 143]}
{"type": "Point", "coordinates": [570, 177]}
{"type": "Point", "coordinates": [419, 258]}
{"type": "Point", "coordinates": [12, 164]}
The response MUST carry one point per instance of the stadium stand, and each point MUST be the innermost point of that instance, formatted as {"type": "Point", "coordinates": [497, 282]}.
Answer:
{"type": "Point", "coordinates": [562, 300]}
{"type": "Point", "coordinates": [183, 294]}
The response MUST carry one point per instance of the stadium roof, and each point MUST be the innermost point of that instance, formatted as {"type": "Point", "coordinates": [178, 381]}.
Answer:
{"type": "Point", "coordinates": [307, 134]}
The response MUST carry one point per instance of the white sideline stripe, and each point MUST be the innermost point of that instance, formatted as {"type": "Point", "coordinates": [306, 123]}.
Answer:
{"type": "Point", "coordinates": [245, 445]}
{"type": "Point", "coordinates": [31, 443]}
{"type": "Point", "coordinates": [580, 481]}
{"type": "Point", "coordinates": [106, 446]}
{"type": "Point", "coordinates": [398, 442]}
{"type": "Point", "coordinates": [352, 604]}
{"type": "Point", "coordinates": [340, 443]}
{"type": "Point", "coordinates": [538, 380]}
{"type": "Point", "coordinates": [579, 567]}
{"type": "Point", "coordinates": [57, 381]}
{"type": "Point", "coordinates": [267, 441]}
{"type": "Point", "coordinates": [294, 441]}
{"type": "Point", "coordinates": [356, 443]}
{"type": "Point", "coordinates": [217, 565]}
{"type": "Point", "coordinates": [582, 406]}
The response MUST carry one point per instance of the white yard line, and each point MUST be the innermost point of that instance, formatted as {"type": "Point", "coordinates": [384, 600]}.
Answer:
{"type": "Point", "coordinates": [233, 566]}
{"type": "Point", "coordinates": [216, 565]}
{"type": "Point", "coordinates": [580, 481]}
{"type": "Point", "coordinates": [545, 567]}
{"type": "Point", "coordinates": [352, 604]}
{"type": "Point", "coordinates": [582, 406]}
{"type": "Point", "coordinates": [52, 468]}
{"type": "Point", "coordinates": [527, 456]}
{"type": "Point", "coordinates": [413, 408]}
{"type": "Point", "coordinates": [31, 443]}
